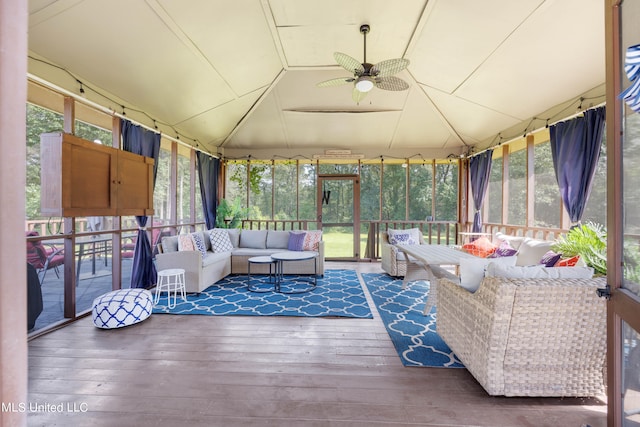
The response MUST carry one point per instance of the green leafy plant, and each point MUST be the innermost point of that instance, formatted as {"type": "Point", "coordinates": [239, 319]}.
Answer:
{"type": "Point", "coordinates": [589, 240]}
{"type": "Point", "coordinates": [230, 214]}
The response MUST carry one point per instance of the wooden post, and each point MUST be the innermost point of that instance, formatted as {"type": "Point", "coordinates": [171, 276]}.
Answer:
{"type": "Point", "coordinates": [13, 271]}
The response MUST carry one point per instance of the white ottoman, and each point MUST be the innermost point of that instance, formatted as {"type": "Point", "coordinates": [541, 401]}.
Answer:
{"type": "Point", "coordinates": [120, 308]}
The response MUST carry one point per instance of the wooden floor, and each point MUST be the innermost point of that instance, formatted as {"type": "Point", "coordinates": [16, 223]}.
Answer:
{"type": "Point", "coordinates": [263, 371]}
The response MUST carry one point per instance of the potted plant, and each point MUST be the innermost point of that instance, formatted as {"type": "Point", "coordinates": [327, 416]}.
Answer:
{"type": "Point", "coordinates": [230, 214]}
{"type": "Point", "coordinates": [589, 240]}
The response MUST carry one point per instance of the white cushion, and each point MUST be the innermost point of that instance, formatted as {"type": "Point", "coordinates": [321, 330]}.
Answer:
{"type": "Point", "coordinates": [514, 241]}
{"type": "Point", "coordinates": [538, 272]}
{"type": "Point", "coordinates": [531, 251]}
{"type": "Point", "coordinates": [278, 239]}
{"type": "Point", "coordinates": [220, 241]}
{"type": "Point", "coordinates": [255, 239]}
{"type": "Point", "coordinates": [410, 236]}
{"type": "Point", "coordinates": [120, 308]}
{"type": "Point", "coordinates": [472, 270]}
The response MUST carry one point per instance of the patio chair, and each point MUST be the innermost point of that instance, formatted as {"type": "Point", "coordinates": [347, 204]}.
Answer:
{"type": "Point", "coordinates": [43, 259]}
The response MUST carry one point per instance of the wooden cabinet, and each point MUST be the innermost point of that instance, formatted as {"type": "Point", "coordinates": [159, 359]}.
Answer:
{"type": "Point", "coordinates": [83, 178]}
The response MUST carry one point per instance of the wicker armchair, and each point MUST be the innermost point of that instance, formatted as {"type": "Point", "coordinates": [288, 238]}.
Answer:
{"type": "Point", "coordinates": [392, 261]}
{"type": "Point", "coordinates": [528, 337]}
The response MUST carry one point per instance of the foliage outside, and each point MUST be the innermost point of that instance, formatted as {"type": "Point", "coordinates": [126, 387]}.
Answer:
{"type": "Point", "coordinates": [230, 214]}
{"type": "Point", "coordinates": [589, 240]}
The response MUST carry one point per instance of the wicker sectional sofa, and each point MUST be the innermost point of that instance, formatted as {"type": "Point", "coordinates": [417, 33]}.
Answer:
{"type": "Point", "coordinates": [203, 271]}
{"type": "Point", "coordinates": [527, 337]}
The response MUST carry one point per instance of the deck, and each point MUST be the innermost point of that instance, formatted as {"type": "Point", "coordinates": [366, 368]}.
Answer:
{"type": "Point", "coordinates": [263, 371]}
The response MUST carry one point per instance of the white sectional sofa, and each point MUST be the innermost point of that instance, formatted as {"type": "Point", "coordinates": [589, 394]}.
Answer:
{"type": "Point", "coordinates": [202, 271]}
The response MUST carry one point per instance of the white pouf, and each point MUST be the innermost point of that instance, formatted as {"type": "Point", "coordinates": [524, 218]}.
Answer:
{"type": "Point", "coordinates": [120, 308]}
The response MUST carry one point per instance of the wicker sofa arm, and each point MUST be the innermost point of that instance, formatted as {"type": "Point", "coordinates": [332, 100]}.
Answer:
{"type": "Point", "coordinates": [527, 337]}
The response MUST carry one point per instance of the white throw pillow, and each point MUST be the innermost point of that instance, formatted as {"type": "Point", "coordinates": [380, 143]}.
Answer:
{"type": "Point", "coordinates": [472, 270]}
{"type": "Point", "coordinates": [220, 241]}
{"type": "Point", "coordinates": [514, 241]}
{"type": "Point", "coordinates": [531, 251]}
{"type": "Point", "coordinates": [410, 236]}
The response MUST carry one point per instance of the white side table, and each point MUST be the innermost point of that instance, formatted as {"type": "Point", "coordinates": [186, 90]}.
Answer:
{"type": "Point", "coordinates": [171, 281]}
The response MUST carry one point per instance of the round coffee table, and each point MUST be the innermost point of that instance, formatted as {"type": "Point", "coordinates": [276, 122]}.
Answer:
{"type": "Point", "coordinates": [294, 256]}
{"type": "Point", "coordinates": [272, 279]}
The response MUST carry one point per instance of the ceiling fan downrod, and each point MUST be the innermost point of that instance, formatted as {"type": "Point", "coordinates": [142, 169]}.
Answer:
{"type": "Point", "coordinates": [364, 29]}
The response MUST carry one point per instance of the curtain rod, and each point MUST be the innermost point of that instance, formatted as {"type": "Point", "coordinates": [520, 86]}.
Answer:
{"type": "Point", "coordinates": [572, 116]}
{"type": "Point", "coordinates": [109, 111]}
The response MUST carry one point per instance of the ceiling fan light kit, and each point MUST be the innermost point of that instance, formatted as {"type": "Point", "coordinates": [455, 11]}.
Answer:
{"type": "Point", "coordinates": [364, 84]}
{"type": "Point", "coordinates": [366, 75]}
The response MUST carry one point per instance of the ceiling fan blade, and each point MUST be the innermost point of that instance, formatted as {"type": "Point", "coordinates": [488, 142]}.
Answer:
{"type": "Point", "coordinates": [357, 95]}
{"type": "Point", "coordinates": [389, 67]}
{"type": "Point", "coordinates": [348, 63]}
{"type": "Point", "coordinates": [336, 82]}
{"type": "Point", "coordinates": [391, 83]}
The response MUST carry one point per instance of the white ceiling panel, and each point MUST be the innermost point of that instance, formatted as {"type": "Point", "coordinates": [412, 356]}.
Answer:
{"type": "Point", "coordinates": [460, 34]}
{"type": "Point", "coordinates": [231, 36]}
{"type": "Point", "coordinates": [512, 79]}
{"type": "Point", "coordinates": [340, 130]}
{"type": "Point", "coordinates": [468, 118]}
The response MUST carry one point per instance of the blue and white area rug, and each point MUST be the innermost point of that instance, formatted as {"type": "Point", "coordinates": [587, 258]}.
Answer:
{"type": "Point", "coordinates": [413, 334]}
{"type": "Point", "coordinates": [338, 294]}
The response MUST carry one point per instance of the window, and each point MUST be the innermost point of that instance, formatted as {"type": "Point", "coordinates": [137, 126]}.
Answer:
{"type": "Point", "coordinates": [547, 203]}
{"type": "Point", "coordinates": [494, 193]}
{"type": "Point", "coordinates": [370, 191]}
{"type": "Point", "coordinates": [394, 199]}
{"type": "Point", "coordinates": [517, 212]}
{"type": "Point", "coordinates": [446, 191]}
{"type": "Point", "coordinates": [285, 190]}
{"type": "Point", "coordinates": [420, 191]}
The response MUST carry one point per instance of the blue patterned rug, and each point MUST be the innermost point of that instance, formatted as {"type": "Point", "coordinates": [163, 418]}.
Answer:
{"type": "Point", "coordinates": [413, 334]}
{"type": "Point", "coordinates": [338, 294]}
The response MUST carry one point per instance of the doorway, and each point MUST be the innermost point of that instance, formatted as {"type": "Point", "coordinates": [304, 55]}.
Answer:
{"type": "Point", "coordinates": [338, 204]}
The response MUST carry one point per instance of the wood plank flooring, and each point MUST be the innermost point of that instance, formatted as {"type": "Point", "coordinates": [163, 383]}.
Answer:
{"type": "Point", "coordinates": [263, 371]}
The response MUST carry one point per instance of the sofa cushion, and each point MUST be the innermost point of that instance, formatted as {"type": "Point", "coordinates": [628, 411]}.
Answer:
{"type": "Point", "coordinates": [251, 252]}
{"type": "Point", "coordinates": [312, 240]}
{"type": "Point", "coordinates": [212, 257]}
{"type": "Point", "coordinates": [198, 242]}
{"type": "Point", "coordinates": [481, 247]}
{"type": "Point", "coordinates": [185, 243]}
{"type": "Point", "coordinates": [538, 272]}
{"type": "Point", "coordinates": [568, 262]}
{"type": "Point", "coordinates": [220, 241]}
{"type": "Point", "coordinates": [256, 239]}
{"type": "Point", "coordinates": [409, 236]}
{"type": "Point", "coordinates": [531, 251]}
{"type": "Point", "coordinates": [472, 270]}
{"type": "Point", "coordinates": [514, 241]}
{"type": "Point", "coordinates": [170, 244]}
{"type": "Point", "coordinates": [550, 259]}
{"type": "Point", "coordinates": [234, 236]}
{"type": "Point", "coordinates": [503, 249]}
{"type": "Point", "coordinates": [296, 241]}
{"type": "Point", "coordinates": [277, 239]}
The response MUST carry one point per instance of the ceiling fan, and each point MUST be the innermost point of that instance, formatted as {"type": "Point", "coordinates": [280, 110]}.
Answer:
{"type": "Point", "coordinates": [366, 76]}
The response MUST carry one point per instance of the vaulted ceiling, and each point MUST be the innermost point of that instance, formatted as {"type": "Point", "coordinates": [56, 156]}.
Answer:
{"type": "Point", "coordinates": [239, 77]}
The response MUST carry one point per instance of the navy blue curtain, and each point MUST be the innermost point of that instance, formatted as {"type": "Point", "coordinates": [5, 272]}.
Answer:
{"type": "Point", "coordinates": [208, 168]}
{"type": "Point", "coordinates": [479, 170]}
{"type": "Point", "coordinates": [575, 149]}
{"type": "Point", "coordinates": [138, 140]}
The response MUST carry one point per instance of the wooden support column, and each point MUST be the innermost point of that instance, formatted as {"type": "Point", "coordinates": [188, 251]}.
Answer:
{"type": "Point", "coordinates": [13, 271]}
{"type": "Point", "coordinates": [116, 240]}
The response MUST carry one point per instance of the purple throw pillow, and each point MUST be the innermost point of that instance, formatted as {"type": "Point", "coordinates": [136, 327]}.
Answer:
{"type": "Point", "coordinates": [296, 241]}
{"type": "Point", "coordinates": [550, 259]}
{"type": "Point", "coordinates": [503, 250]}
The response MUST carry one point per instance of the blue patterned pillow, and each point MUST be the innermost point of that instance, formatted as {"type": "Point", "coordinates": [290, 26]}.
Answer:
{"type": "Point", "coordinates": [404, 237]}
{"type": "Point", "coordinates": [198, 243]}
{"type": "Point", "coordinates": [296, 241]}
